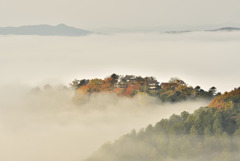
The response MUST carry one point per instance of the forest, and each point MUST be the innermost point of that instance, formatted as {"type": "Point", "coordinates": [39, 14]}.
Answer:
{"type": "Point", "coordinates": [210, 133]}
{"type": "Point", "coordinates": [172, 91]}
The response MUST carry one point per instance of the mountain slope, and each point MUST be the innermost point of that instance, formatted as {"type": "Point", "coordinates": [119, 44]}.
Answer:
{"type": "Point", "coordinates": [207, 134]}
{"type": "Point", "coordinates": [44, 30]}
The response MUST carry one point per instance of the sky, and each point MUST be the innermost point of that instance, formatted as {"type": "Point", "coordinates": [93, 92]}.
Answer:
{"type": "Point", "coordinates": [122, 14]}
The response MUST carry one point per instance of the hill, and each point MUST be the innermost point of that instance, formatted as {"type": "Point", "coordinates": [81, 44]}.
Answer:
{"type": "Point", "coordinates": [173, 91]}
{"type": "Point", "coordinates": [44, 30]}
{"type": "Point", "coordinates": [209, 134]}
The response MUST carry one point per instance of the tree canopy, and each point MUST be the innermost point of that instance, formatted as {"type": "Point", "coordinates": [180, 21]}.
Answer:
{"type": "Point", "coordinates": [173, 91]}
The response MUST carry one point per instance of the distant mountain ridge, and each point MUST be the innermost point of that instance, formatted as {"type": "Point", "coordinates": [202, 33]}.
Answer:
{"type": "Point", "coordinates": [226, 29]}
{"type": "Point", "coordinates": [213, 30]}
{"type": "Point", "coordinates": [44, 30]}
{"type": "Point", "coordinates": [65, 30]}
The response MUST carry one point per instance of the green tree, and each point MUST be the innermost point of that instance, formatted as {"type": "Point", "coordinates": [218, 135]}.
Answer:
{"type": "Point", "coordinates": [217, 127]}
{"type": "Point", "coordinates": [194, 131]}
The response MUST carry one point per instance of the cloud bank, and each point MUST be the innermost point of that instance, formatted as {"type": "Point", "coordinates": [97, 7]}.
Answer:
{"type": "Point", "coordinates": [48, 126]}
{"type": "Point", "coordinates": [199, 58]}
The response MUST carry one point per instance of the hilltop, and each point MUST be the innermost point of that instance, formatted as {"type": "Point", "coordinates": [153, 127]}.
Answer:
{"type": "Point", "coordinates": [44, 30]}
{"type": "Point", "coordinates": [130, 85]}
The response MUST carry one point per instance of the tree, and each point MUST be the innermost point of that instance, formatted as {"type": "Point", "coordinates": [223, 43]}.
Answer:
{"type": "Point", "coordinates": [177, 81]}
{"type": "Point", "coordinates": [184, 115]}
{"type": "Point", "coordinates": [83, 82]}
{"type": "Point", "coordinates": [197, 88]}
{"type": "Point", "coordinates": [194, 131]}
{"type": "Point", "coordinates": [115, 78]}
{"type": "Point", "coordinates": [75, 84]}
{"type": "Point", "coordinates": [78, 83]}
{"type": "Point", "coordinates": [207, 132]}
{"type": "Point", "coordinates": [213, 90]}
{"type": "Point", "coordinates": [217, 127]}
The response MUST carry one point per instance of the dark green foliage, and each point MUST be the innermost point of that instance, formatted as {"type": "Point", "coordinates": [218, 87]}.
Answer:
{"type": "Point", "coordinates": [78, 83]}
{"type": "Point", "coordinates": [175, 92]}
{"type": "Point", "coordinates": [115, 78]}
{"type": "Point", "coordinates": [209, 134]}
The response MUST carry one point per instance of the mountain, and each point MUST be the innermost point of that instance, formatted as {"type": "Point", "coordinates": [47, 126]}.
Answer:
{"type": "Point", "coordinates": [44, 30]}
{"type": "Point", "coordinates": [219, 29]}
{"type": "Point", "coordinates": [226, 29]}
{"type": "Point", "coordinates": [211, 134]}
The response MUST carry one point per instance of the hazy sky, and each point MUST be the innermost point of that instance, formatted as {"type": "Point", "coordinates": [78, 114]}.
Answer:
{"type": "Point", "coordinates": [92, 14]}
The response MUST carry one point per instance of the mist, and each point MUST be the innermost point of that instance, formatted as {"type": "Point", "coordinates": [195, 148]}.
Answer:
{"type": "Point", "coordinates": [198, 58]}
{"type": "Point", "coordinates": [160, 147]}
{"type": "Point", "coordinates": [47, 125]}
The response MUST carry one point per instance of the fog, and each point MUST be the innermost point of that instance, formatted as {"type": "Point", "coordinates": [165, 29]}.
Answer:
{"type": "Point", "coordinates": [160, 147]}
{"type": "Point", "coordinates": [199, 58]}
{"type": "Point", "coordinates": [48, 126]}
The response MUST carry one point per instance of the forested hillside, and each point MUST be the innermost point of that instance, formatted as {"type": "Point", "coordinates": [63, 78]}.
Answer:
{"type": "Point", "coordinates": [211, 133]}
{"type": "Point", "coordinates": [130, 85]}
{"type": "Point", "coordinates": [227, 100]}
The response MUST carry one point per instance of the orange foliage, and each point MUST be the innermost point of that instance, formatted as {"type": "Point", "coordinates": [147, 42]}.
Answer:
{"type": "Point", "coordinates": [97, 85]}
{"type": "Point", "coordinates": [131, 90]}
{"type": "Point", "coordinates": [226, 100]}
{"type": "Point", "coordinates": [107, 85]}
{"type": "Point", "coordinates": [166, 86]}
{"type": "Point", "coordinates": [118, 91]}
